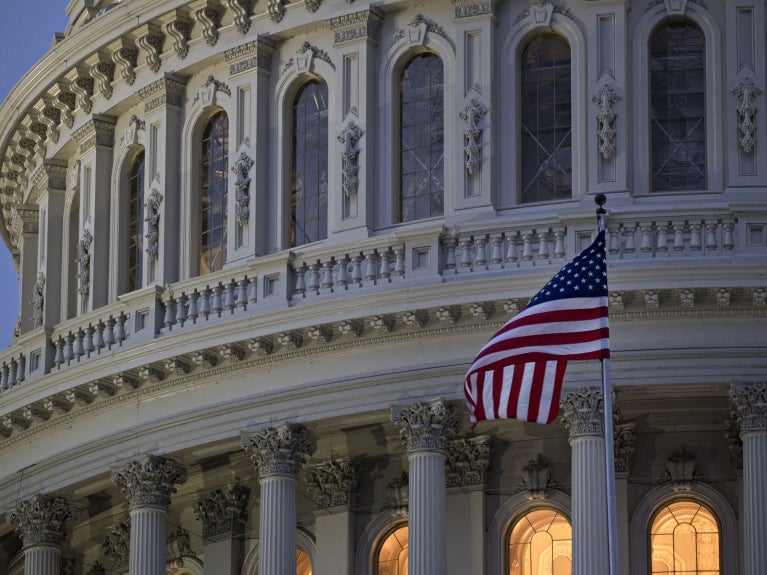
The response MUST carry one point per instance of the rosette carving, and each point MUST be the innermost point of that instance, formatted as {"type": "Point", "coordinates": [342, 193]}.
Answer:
{"type": "Point", "coordinates": [279, 450]}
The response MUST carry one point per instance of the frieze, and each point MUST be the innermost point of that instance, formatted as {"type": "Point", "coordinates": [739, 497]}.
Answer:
{"type": "Point", "coordinates": [223, 512]}
{"type": "Point", "coordinates": [426, 426]}
{"type": "Point", "coordinates": [467, 461]}
{"type": "Point", "coordinates": [332, 483]}
{"type": "Point", "coordinates": [472, 8]}
{"type": "Point", "coordinates": [749, 403]}
{"type": "Point", "coordinates": [279, 450]}
{"type": "Point", "coordinates": [149, 481]}
{"type": "Point", "coordinates": [41, 519]}
{"type": "Point", "coordinates": [356, 26]}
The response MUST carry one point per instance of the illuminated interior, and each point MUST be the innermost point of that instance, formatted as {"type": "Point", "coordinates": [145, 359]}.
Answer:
{"type": "Point", "coordinates": [392, 556]}
{"type": "Point", "coordinates": [685, 540]}
{"type": "Point", "coordinates": [303, 563]}
{"type": "Point", "coordinates": [541, 543]}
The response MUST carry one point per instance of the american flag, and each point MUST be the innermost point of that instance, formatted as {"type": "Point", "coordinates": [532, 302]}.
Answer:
{"type": "Point", "coordinates": [518, 374]}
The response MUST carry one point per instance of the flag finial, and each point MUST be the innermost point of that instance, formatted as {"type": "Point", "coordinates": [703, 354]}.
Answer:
{"type": "Point", "coordinates": [600, 200]}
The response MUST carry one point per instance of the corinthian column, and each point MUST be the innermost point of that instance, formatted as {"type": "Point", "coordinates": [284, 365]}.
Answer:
{"type": "Point", "coordinates": [40, 522]}
{"type": "Point", "coordinates": [278, 454]}
{"type": "Point", "coordinates": [426, 427]}
{"type": "Point", "coordinates": [148, 484]}
{"type": "Point", "coordinates": [750, 402]}
{"type": "Point", "coordinates": [583, 417]}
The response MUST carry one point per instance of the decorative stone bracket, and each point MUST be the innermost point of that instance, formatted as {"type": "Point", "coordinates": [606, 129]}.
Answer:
{"type": "Point", "coordinates": [471, 114]}
{"type": "Point", "coordinates": [350, 137]}
{"type": "Point", "coordinates": [604, 99]}
{"type": "Point", "coordinates": [746, 92]}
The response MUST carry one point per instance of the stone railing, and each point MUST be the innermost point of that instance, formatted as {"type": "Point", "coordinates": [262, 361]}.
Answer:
{"type": "Point", "coordinates": [82, 341]}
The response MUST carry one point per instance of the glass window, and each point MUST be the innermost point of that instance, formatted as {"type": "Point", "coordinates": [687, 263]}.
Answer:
{"type": "Point", "coordinates": [309, 165]}
{"type": "Point", "coordinates": [541, 543]}
{"type": "Point", "coordinates": [74, 250]}
{"type": "Point", "coordinates": [422, 146]}
{"type": "Point", "coordinates": [392, 555]}
{"type": "Point", "coordinates": [545, 120]}
{"type": "Point", "coordinates": [677, 103]}
{"type": "Point", "coordinates": [214, 169]}
{"type": "Point", "coordinates": [303, 563]}
{"type": "Point", "coordinates": [135, 222]}
{"type": "Point", "coordinates": [684, 540]}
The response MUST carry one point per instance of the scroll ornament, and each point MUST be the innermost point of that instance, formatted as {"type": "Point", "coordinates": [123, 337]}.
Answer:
{"type": "Point", "coordinates": [746, 92]}
{"type": "Point", "coordinates": [471, 115]}
{"type": "Point", "coordinates": [604, 99]}
{"type": "Point", "coordinates": [350, 137]}
{"type": "Point", "coordinates": [153, 221]}
{"type": "Point", "coordinates": [241, 169]}
{"type": "Point", "coordinates": [84, 259]}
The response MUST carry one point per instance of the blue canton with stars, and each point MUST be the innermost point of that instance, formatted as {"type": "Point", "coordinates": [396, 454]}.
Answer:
{"type": "Point", "coordinates": [584, 276]}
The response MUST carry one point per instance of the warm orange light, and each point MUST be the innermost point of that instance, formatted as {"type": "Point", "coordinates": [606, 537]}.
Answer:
{"type": "Point", "coordinates": [541, 544]}
{"type": "Point", "coordinates": [684, 539]}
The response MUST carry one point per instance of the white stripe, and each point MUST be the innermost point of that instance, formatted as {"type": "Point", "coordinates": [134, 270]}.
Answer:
{"type": "Point", "coordinates": [487, 396]}
{"type": "Point", "coordinates": [508, 375]}
{"type": "Point", "coordinates": [548, 391]}
{"type": "Point", "coordinates": [563, 350]}
{"type": "Point", "coordinates": [523, 403]}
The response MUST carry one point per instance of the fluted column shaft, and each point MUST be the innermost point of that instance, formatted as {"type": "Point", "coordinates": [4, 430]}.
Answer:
{"type": "Point", "coordinates": [750, 401]}
{"type": "Point", "coordinates": [42, 560]}
{"type": "Point", "coordinates": [148, 533]}
{"type": "Point", "coordinates": [583, 416]}
{"type": "Point", "coordinates": [426, 427]}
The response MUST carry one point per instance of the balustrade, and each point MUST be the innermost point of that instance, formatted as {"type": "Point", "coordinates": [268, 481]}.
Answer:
{"type": "Point", "coordinates": [72, 345]}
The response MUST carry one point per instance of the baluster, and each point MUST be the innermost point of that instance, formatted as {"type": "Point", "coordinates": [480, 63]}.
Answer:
{"type": "Point", "coordinates": [342, 276]}
{"type": "Point", "coordinates": [12, 373]}
{"type": "Point", "coordinates": [98, 335]}
{"type": "Point", "coordinates": [229, 300]}
{"type": "Point", "coordinates": [78, 349]}
{"type": "Point", "coordinates": [252, 296]}
{"type": "Point", "coordinates": [181, 309]}
{"type": "Point", "coordinates": [527, 247]}
{"type": "Point", "coordinates": [88, 340]}
{"type": "Point", "coordinates": [480, 243]}
{"type": "Point", "coordinates": [216, 305]}
{"type": "Point", "coordinates": [543, 246]}
{"type": "Point", "coordinates": [370, 267]}
{"type": "Point", "coordinates": [613, 243]}
{"type": "Point", "coordinates": [679, 237]}
{"type": "Point", "coordinates": [4, 377]}
{"type": "Point", "coordinates": [242, 292]}
{"type": "Point", "coordinates": [465, 243]}
{"type": "Point", "coordinates": [205, 303]}
{"type": "Point", "coordinates": [22, 369]}
{"type": "Point", "coordinates": [301, 279]}
{"type": "Point", "coordinates": [727, 242]}
{"type": "Point", "coordinates": [662, 245]}
{"type": "Point", "coordinates": [711, 228]}
{"type": "Point", "coordinates": [384, 267]}
{"type": "Point", "coordinates": [327, 275]}
{"type": "Point", "coordinates": [399, 262]}
{"type": "Point", "coordinates": [192, 311]}
{"type": "Point", "coordinates": [630, 246]}
{"type": "Point", "coordinates": [450, 244]}
{"type": "Point", "coordinates": [511, 249]}
{"type": "Point", "coordinates": [59, 357]}
{"type": "Point", "coordinates": [357, 270]}
{"type": "Point", "coordinates": [120, 328]}
{"type": "Point", "coordinates": [170, 314]}
{"type": "Point", "coordinates": [559, 244]}
{"type": "Point", "coordinates": [496, 250]}
{"type": "Point", "coordinates": [646, 246]}
{"type": "Point", "coordinates": [695, 241]}
{"type": "Point", "coordinates": [109, 332]}
{"type": "Point", "coordinates": [68, 350]}
{"type": "Point", "coordinates": [313, 283]}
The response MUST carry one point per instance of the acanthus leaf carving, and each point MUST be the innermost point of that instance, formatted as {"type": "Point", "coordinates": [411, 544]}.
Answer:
{"type": "Point", "coordinates": [209, 90]}
{"type": "Point", "coordinates": [312, 5]}
{"type": "Point", "coordinates": [350, 137]}
{"type": "Point", "coordinates": [38, 300]}
{"type": "Point", "coordinates": [126, 59]}
{"type": "Point", "coordinates": [41, 520]}
{"type": "Point", "coordinates": [84, 261]}
{"type": "Point", "coordinates": [179, 30]}
{"type": "Point", "coordinates": [103, 73]}
{"type": "Point", "coordinates": [211, 20]}
{"type": "Point", "coordinates": [417, 28]}
{"type": "Point", "coordinates": [604, 99]}
{"type": "Point", "coordinates": [426, 426]}
{"type": "Point", "coordinates": [241, 169]}
{"type": "Point", "coordinates": [332, 483]}
{"type": "Point", "coordinates": [749, 405]}
{"type": "Point", "coordinates": [223, 512]}
{"type": "Point", "coordinates": [116, 545]}
{"type": "Point", "coordinates": [746, 91]}
{"type": "Point", "coordinates": [151, 43]}
{"type": "Point", "coordinates": [279, 450]}
{"type": "Point", "coordinates": [149, 481]}
{"type": "Point", "coordinates": [152, 207]}
{"type": "Point", "coordinates": [471, 114]}
{"type": "Point", "coordinates": [467, 461]}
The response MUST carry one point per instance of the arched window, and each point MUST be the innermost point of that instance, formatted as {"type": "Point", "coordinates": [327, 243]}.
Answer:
{"type": "Point", "coordinates": [303, 563]}
{"type": "Point", "coordinates": [309, 165]}
{"type": "Point", "coordinates": [392, 554]}
{"type": "Point", "coordinates": [214, 169]}
{"type": "Point", "coordinates": [422, 138]}
{"type": "Point", "coordinates": [73, 247]}
{"type": "Point", "coordinates": [684, 539]}
{"type": "Point", "coordinates": [545, 120]}
{"type": "Point", "coordinates": [541, 543]}
{"type": "Point", "coordinates": [677, 108]}
{"type": "Point", "coordinates": [135, 227]}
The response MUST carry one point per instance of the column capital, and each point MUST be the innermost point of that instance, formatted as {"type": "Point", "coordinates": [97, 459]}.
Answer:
{"type": "Point", "coordinates": [149, 481]}
{"type": "Point", "coordinates": [40, 520]}
{"type": "Point", "coordinates": [426, 426]}
{"type": "Point", "coordinates": [223, 512]}
{"type": "Point", "coordinates": [98, 131]}
{"type": "Point", "coordinates": [583, 411]}
{"type": "Point", "coordinates": [749, 402]}
{"type": "Point", "coordinates": [281, 450]}
{"type": "Point", "coordinates": [467, 461]}
{"type": "Point", "coordinates": [332, 483]}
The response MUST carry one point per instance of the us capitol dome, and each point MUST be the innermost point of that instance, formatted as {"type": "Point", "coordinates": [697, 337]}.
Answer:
{"type": "Point", "coordinates": [259, 243]}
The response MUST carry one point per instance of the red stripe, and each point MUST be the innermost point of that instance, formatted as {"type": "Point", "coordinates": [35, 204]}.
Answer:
{"type": "Point", "coordinates": [555, 316]}
{"type": "Point", "coordinates": [536, 390]}
{"type": "Point", "coordinates": [516, 387]}
{"type": "Point", "coordinates": [545, 340]}
{"type": "Point", "coordinates": [480, 406]}
{"type": "Point", "coordinates": [497, 388]}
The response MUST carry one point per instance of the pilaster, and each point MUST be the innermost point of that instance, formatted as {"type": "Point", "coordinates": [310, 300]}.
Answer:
{"type": "Point", "coordinates": [25, 225]}
{"type": "Point", "coordinates": [749, 401]}
{"type": "Point", "coordinates": [278, 453]}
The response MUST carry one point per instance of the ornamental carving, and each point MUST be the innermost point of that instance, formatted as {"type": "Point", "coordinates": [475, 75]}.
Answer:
{"type": "Point", "coordinates": [241, 170]}
{"type": "Point", "coordinates": [749, 404]}
{"type": "Point", "coordinates": [210, 20]}
{"type": "Point", "coordinates": [582, 412]}
{"type": "Point", "coordinates": [223, 512]}
{"type": "Point", "coordinates": [623, 446]}
{"type": "Point", "coordinates": [103, 73]}
{"type": "Point", "coordinates": [471, 114]}
{"type": "Point", "coordinates": [356, 26]}
{"type": "Point", "coordinates": [332, 483]}
{"type": "Point", "coordinates": [151, 44]}
{"type": "Point", "coordinates": [209, 90]}
{"type": "Point", "coordinates": [426, 426]}
{"type": "Point", "coordinates": [604, 99]}
{"type": "Point", "coordinates": [746, 92]}
{"type": "Point", "coordinates": [304, 58]}
{"type": "Point", "coordinates": [417, 28]}
{"type": "Point", "coordinates": [130, 134]}
{"type": "Point", "coordinates": [472, 8]}
{"type": "Point", "coordinates": [64, 102]}
{"type": "Point", "coordinates": [467, 461]}
{"type": "Point", "coordinates": [126, 59]}
{"type": "Point", "coordinates": [168, 90]}
{"type": "Point", "coordinates": [38, 300]}
{"type": "Point", "coordinates": [116, 545]}
{"type": "Point", "coordinates": [152, 207]}
{"type": "Point", "coordinates": [541, 12]}
{"type": "Point", "coordinates": [83, 88]}
{"type": "Point", "coordinates": [536, 478]}
{"type": "Point", "coordinates": [241, 9]}
{"type": "Point", "coordinates": [84, 262]}
{"type": "Point", "coordinates": [249, 56]}
{"type": "Point", "coordinates": [100, 131]}
{"type": "Point", "coordinates": [312, 5]}
{"type": "Point", "coordinates": [179, 30]}
{"type": "Point", "coordinates": [149, 481]}
{"type": "Point", "coordinates": [276, 10]}
{"type": "Point", "coordinates": [680, 470]}
{"type": "Point", "coordinates": [177, 547]}
{"type": "Point", "coordinates": [350, 137]}
{"type": "Point", "coordinates": [279, 450]}
{"type": "Point", "coordinates": [40, 520]}
{"type": "Point", "coordinates": [398, 494]}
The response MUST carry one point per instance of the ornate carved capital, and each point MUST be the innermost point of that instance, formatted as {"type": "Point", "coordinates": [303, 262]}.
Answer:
{"type": "Point", "coordinates": [363, 25]}
{"type": "Point", "coordinates": [467, 461]}
{"type": "Point", "coordinates": [167, 90]}
{"type": "Point", "coordinates": [749, 403]}
{"type": "Point", "coordinates": [332, 483]}
{"type": "Point", "coordinates": [279, 450]}
{"type": "Point", "coordinates": [582, 412]}
{"type": "Point", "coordinates": [40, 520]}
{"type": "Point", "coordinates": [99, 131]}
{"type": "Point", "coordinates": [116, 545]}
{"type": "Point", "coordinates": [149, 481]}
{"type": "Point", "coordinates": [473, 8]}
{"type": "Point", "coordinates": [255, 54]}
{"type": "Point", "coordinates": [223, 512]}
{"type": "Point", "coordinates": [426, 426]}
{"type": "Point", "coordinates": [25, 219]}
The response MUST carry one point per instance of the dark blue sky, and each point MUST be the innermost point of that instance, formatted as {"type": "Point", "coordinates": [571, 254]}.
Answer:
{"type": "Point", "coordinates": [26, 34]}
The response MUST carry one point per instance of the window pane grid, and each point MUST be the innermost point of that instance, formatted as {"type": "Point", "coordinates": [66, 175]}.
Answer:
{"type": "Point", "coordinates": [135, 223]}
{"type": "Point", "coordinates": [422, 138]}
{"type": "Point", "coordinates": [684, 540]}
{"type": "Point", "coordinates": [540, 543]}
{"type": "Point", "coordinates": [214, 164]}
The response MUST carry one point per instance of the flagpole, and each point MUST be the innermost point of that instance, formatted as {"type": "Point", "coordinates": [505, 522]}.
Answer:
{"type": "Point", "coordinates": [607, 402]}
